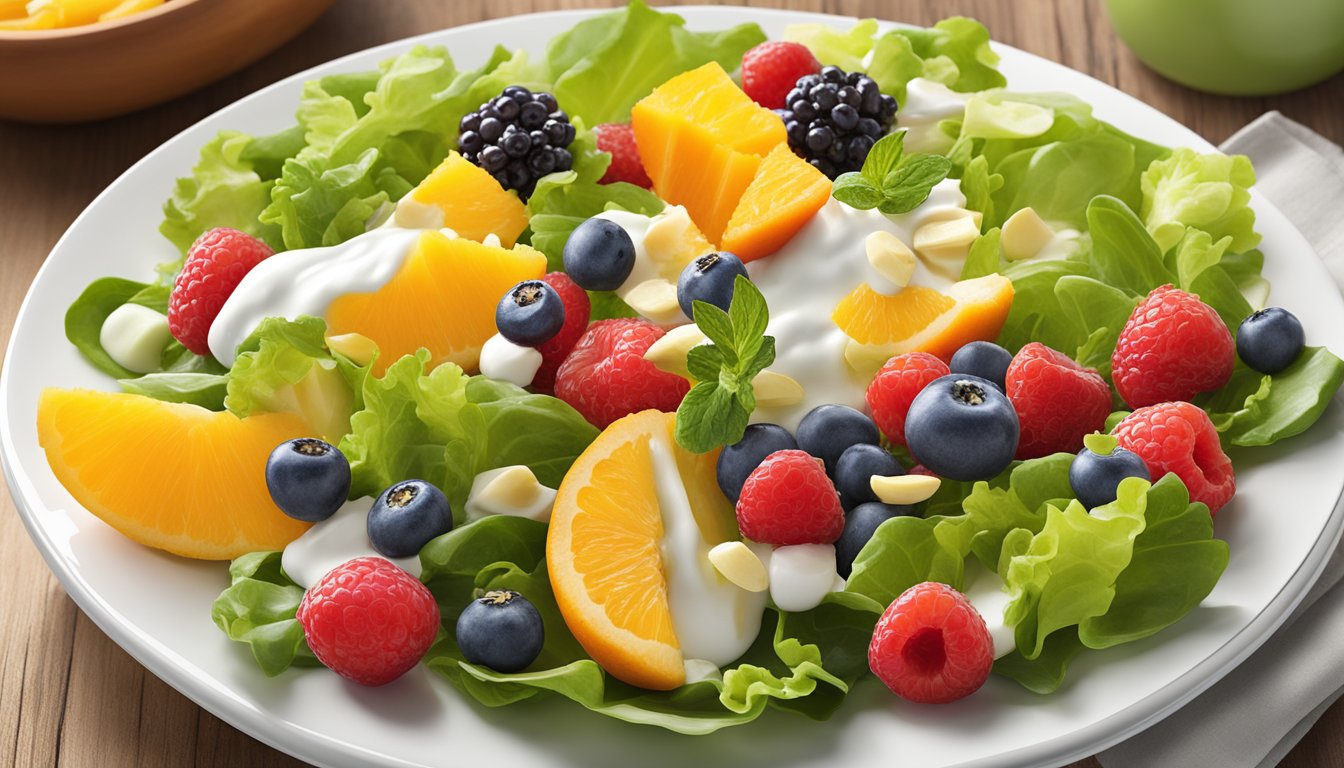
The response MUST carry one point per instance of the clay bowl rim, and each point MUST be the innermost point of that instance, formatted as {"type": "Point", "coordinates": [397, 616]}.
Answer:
{"type": "Point", "coordinates": [38, 36]}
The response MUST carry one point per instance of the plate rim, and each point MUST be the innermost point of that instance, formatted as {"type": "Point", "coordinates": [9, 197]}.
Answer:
{"type": "Point", "coordinates": [284, 736]}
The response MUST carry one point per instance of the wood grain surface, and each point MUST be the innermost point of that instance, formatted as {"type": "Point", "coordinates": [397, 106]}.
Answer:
{"type": "Point", "coordinates": [68, 695]}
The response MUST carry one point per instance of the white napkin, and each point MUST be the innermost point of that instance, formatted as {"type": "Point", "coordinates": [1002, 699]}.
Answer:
{"type": "Point", "coordinates": [1253, 716]}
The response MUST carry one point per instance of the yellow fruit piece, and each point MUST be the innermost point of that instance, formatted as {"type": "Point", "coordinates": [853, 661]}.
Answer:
{"type": "Point", "coordinates": [785, 194]}
{"type": "Point", "coordinates": [973, 310]}
{"type": "Point", "coordinates": [12, 9]}
{"type": "Point", "coordinates": [72, 13]}
{"type": "Point", "coordinates": [443, 298]}
{"type": "Point", "coordinates": [45, 18]}
{"type": "Point", "coordinates": [474, 205]}
{"type": "Point", "coordinates": [701, 140]}
{"type": "Point", "coordinates": [170, 476]}
{"type": "Point", "coordinates": [129, 7]}
{"type": "Point", "coordinates": [603, 548]}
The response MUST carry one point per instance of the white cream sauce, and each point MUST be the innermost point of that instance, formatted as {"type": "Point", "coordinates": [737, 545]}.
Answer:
{"type": "Point", "coordinates": [338, 539]}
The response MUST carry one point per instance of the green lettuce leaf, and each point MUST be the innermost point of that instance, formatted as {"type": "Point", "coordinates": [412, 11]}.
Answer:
{"type": "Point", "coordinates": [445, 427]}
{"type": "Point", "coordinates": [1209, 192]}
{"type": "Point", "coordinates": [956, 50]}
{"type": "Point", "coordinates": [204, 389]}
{"type": "Point", "coordinates": [285, 366]}
{"type": "Point", "coordinates": [1258, 409]}
{"type": "Point", "coordinates": [800, 662]}
{"type": "Point", "coordinates": [604, 65]}
{"type": "Point", "coordinates": [1045, 673]}
{"type": "Point", "coordinates": [86, 315]}
{"type": "Point", "coordinates": [258, 609]}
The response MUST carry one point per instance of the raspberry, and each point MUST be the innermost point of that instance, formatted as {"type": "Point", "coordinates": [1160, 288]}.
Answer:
{"type": "Point", "coordinates": [368, 620]}
{"type": "Point", "coordinates": [1057, 401]}
{"type": "Point", "coordinates": [895, 387]}
{"type": "Point", "coordinates": [788, 499]}
{"type": "Point", "coordinates": [619, 140]}
{"type": "Point", "coordinates": [1179, 438]}
{"type": "Point", "coordinates": [770, 70]}
{"type": "Point", "coordinates": [606, 376]}
{"type": "Point", "coordinates": [1173, 347]}
{"type": "Point", "coordinates": [931, 646]}
{"type": "Point", "coordinates": [920, 469]}
{"type": "Point", "coordinates": [215, 264]}
{"type": "Point", "coordinates": [577, 310]}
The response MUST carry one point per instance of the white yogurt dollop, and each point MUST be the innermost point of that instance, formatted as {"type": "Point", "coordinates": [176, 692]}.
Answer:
{"type": "Point", "coordinates": [801, 575]}
{"type": "Point", "coordinates": [984, 589]}
{"type": "Point", "coordinates": [502, 359]}
{"type": "Point", "coordinates": [336, 540]}
{"type": "Point", "coordinates": [805, 280]}
{"type": "Point", "coordinates": [713, 619]}
{"type": "Point", "coordinates": [134, 337]}
{"type": "Point", "coordinates": [306, 282]}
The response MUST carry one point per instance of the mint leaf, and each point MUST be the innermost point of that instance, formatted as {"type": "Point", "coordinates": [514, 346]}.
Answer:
{"type": "Point", "coordinates": [857, 191]}
{"type": "Point", "coordinates": [883, 158]}
{"type": "Point", "coordinates": [909, 185]}
{"type": "Point", "coordinates": [716, 410]}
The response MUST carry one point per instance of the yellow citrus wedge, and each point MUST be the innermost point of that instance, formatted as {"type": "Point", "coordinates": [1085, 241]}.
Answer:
{"type": "Point", "coordinates": [919, 319]}
{"type": "Point", "coordinates": [170, 476]}
{"type": "Point", "coordinates": [473, 204]}
{"type": "Point", "coordinates": [603, 548]}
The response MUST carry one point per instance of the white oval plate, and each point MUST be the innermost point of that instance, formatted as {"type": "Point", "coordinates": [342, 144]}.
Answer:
{"type": "Point", "coordinates": [1281, 526]}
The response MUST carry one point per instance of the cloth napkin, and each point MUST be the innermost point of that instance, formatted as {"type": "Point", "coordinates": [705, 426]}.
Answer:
{"type": "Point", "coordinates": [1253, 716]}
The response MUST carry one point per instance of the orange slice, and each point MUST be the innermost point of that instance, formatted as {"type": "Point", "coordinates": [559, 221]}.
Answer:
{"type": "Point", "coordinates": [170, 476]}
{"type": "Point", "coordinates": [919, 319]}
{"type": "Point", "coordinates": [603, 548]}
{"type": "Point", "coordinates": [443, 298]}
{"type": "Point", "coordinates": [473, 203]}
{"type": "Point", "coordinates": [786, 193]}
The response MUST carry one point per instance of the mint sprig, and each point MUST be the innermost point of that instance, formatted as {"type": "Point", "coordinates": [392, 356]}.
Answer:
{"type": "Point", "coordinates": [716, 410]}
{"type": "Point", "coordinates": [890, 180]}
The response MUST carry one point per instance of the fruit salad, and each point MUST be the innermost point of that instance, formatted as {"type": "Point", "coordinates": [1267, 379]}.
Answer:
{"type": "Point", "coordinates": [766, 369]}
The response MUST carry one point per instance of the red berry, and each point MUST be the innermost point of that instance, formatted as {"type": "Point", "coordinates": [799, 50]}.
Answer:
{"type": "Point", "coordinates": [920, 469]}
{"type": "Point", "coordinates": [895, 387]}
{"type": "Point", "coordinates": [368, 620]}
{"type": "Point", "coordinates": [215, 264]}
{"type": "Point", "coordinates": [1173, 347]}
{"type": "Point", "coordinates": [788, 499]}
{"type": "Point", "coordinates": [619, 140]}
{"type": "Point", "coordinates": [606, 376]}
{"type": "Point", "coordinates": [1057, 401]}
{"type": "Point", "coordinates": [931, 646]}
{"type": "Point", "coordinates": [1179, 438]}
{"type": "Point", "coordinates": [577, 310]}
{"type": "Point", "coordinates": [771, 69]}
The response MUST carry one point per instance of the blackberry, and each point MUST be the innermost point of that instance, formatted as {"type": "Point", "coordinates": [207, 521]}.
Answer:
{"type": "Point", "coordinates": [518, 137]}
{"type": "Point", "coordinates": [833, 118]}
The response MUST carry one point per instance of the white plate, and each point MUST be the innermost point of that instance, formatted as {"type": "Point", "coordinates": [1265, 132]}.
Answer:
{"type": "Point", "coordinates": [1281, 525]}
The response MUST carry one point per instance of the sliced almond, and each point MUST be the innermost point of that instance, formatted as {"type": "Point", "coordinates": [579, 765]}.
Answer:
{"type": "Point", "coordinates": [891, 258]}
{"type": "Point", "coordinates": [904, 489]}
{"type": "Point", "coordinates": [866, 359]}
{"type": "Point", "coordinates": [356, 346]}
{"type": "Point", "coordinates": [948, 235]}
{"type": "Point", "coordinates": [669, 352]}
{"type": "Point", "coordinates": [1025, 234]}
{"type": "Point", "coordinates": [739, 565]}
{"type": "Point", "coordinates": [948, 214]}
{"type": "Point", "coordinates": [775, 390]}
{"type": "Point", "coordinates": [655, 299]}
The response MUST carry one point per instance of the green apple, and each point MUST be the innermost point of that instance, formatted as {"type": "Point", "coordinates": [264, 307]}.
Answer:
{"type": "Point", "coordinates": [1238, 47]}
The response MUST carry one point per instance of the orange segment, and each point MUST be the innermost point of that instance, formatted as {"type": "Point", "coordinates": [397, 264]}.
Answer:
{"type": "Point", "coordinates": [701, 139]}
{"type": "Point", "coordinates": [603, 548]}
{"type": "Point", "coordinates": [474, 204]}
{"type": "Point", "coordinates": [171, 476]}
{"type": "Point", "coordinates": [786, 193]}
{"type": "Point", "coordinates": [443, 298]}
{"type": "Point", "coordinates": [972, 310]}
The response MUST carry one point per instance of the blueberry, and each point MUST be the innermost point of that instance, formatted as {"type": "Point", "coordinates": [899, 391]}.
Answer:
{"type": "Point", "coordinates": [961, 427]}
{"type": "Point", "coordinates": [855, 470]}
{"type": "Point", "coordinates": [860, 524]}
{"type": "Point", "coordinates": [501, 630]}
{"type": "Point", "coordinates": [710, 279]}
{"type": "Point", "coordinates": [406, 516]}
{"type": "Point", "coordinates": [530, 314]}
{"type": "Point", "coordinates": [984, 359]}
{"type": "Point", "coordinates": [739, 459]}
{"type": "Point", "coordinates": [599, 254]}
{"type": "Point", "coordinates": [1094, 477]}
{"type": "Point", "coordinates": [1270, 340]}
{"type": "Point", "coordinates": [827, 430]}
{"type": "Point", "coordinates": [308, 478]}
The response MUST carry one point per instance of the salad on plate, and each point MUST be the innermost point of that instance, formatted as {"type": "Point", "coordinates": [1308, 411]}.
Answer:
{"type": "Point", "coordinates": [686, 374]}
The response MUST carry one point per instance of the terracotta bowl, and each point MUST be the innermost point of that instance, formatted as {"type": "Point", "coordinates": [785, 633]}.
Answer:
{"type": "Point", "coordinates": [111, 68]}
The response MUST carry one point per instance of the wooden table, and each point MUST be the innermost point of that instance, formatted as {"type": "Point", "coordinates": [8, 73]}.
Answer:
{"type": "Point", "coordinates": [68, 695]}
